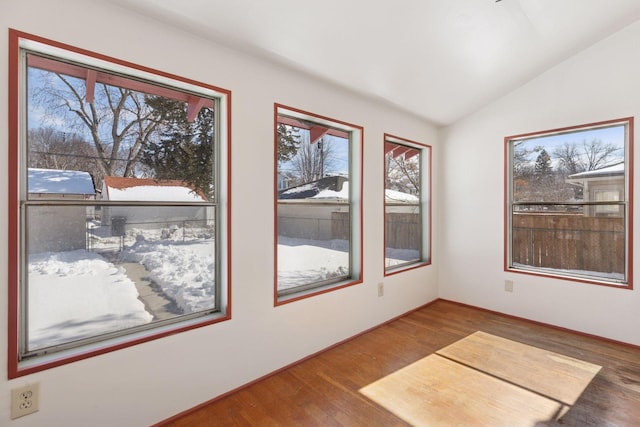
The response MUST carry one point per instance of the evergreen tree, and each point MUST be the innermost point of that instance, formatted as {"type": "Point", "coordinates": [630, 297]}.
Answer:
{"type": "Point", "coordinates": [543, 163]}
{"type": "Point", "coordinates": [288, 142]}
{"type": "Point", "coordinates": [185, 150]}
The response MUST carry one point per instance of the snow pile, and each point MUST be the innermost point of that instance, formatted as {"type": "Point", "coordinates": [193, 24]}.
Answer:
{"type": "Point", "coordinates": [302, 261]}
{"type": "Point", "coordinates": [78, 294]}
{"type": "Point", "coordinates": [185, 271]}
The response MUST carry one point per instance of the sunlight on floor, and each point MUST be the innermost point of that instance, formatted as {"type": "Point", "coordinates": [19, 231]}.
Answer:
{"type": "Point", "coordinates": [484, 380]}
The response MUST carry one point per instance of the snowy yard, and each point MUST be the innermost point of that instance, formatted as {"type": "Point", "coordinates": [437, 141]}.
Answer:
{"type": "Point", "coordinates": [79, 294]}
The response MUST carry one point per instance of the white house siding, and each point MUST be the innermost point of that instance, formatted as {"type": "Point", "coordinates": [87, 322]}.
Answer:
{"type": "Point", "coordinates": [148, 218]}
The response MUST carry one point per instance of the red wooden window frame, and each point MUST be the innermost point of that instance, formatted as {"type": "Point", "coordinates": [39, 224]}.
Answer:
{"type": "Point", "coordinates": [315, 135]}
{"type": "Point", "coordinates": [629, 194]}
{"type": "Point", "coordinates": [14, 369]}
{"type": "Point", "coordinates": [411, 149]}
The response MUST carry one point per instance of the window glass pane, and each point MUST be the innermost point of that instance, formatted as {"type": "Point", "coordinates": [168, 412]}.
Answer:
{"type": "Point", "coordinates": [95, 269]}
{"type": "Point", "coordinates": [117, 202]}
{"type": "Point", "coordinates": [576, 244]}
{"type": "Point", "coordinates": [107, 125]}
{"type": "Point", "coordinates": [568, 202]}
{"type": "Point", "coordinates": [313, 208]}
{"type": "Point", "coordinates": [403, 210]}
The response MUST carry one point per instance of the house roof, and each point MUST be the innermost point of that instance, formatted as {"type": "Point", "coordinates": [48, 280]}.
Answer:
{"type": "Point", "coordinates": [149, 189]}
{"type": "Point", "coordinates": [335, 187]}
{"type": "Point", "coordinates": [330, 187]}
{"type": "Point", "coordinates": [611, 170]}
{"type": "Point", "coordinates": [55, 181]}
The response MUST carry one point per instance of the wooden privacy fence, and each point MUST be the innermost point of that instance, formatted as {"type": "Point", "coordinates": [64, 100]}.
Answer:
{"type": "Point", "coordinates": [403, 229]}
{"type": "Point", "coordinates": [569, 242]}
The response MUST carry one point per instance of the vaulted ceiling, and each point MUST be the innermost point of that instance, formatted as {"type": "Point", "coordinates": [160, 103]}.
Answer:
{"type": "Point", "coordinates": [439, 59]}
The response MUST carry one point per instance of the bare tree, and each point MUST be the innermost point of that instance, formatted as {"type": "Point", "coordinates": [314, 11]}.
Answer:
{"type": "Point", "coordinates": [403, 174]}
{"type": "Point", "coordinates": [597, 153]}
{"type": "Point", "coordinates": [313, 160]}
{"type": "Point", "coordinates": [588, 156]}
{"type": "Point", "coordinates": [568, 157]}
{"type": "Point", "coordinates": [119, 121]}
{"type": "Point", "coordinates": [52, 149]}
{"type": "Point", "coordinates": [521, 162]}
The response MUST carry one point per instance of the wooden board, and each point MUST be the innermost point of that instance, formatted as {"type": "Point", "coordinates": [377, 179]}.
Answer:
{"type": "Point", "coordinates": [483, 380]}
{"type": "Point", "coordinates": [550, 374]}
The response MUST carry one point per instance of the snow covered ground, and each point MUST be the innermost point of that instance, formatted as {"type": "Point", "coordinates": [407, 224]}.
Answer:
{"type": "Point", "coordinates": [79, 294]}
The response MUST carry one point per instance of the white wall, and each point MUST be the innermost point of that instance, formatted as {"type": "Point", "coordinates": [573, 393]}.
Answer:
{"type": "Point", "coordinates": [597, 84]}
{"type": "Point", "coordinates": [147, 383]}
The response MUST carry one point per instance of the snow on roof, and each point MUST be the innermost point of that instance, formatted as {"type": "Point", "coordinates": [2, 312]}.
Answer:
{"type": "Point", "coordinates": [149, 189]}
{"type": "Point", "coordinates": [615, 169]}
{"type": "Point", "coordinates": [331, 194]}
{"type": "Point", "coordinates": [323, 188]}
{"type": "Point", "coordinates": [55, 181]}
{"type": "Point", "coordinates": [398, 196]}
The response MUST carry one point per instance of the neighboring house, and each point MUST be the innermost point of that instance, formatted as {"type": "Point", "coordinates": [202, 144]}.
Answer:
{"type": "Point", "coordinates": [283, 182]}
{"type": "Point", "coordinates": [308, 211]}
{"type": "Point", "coordinates": [58, 229]}
{"type": "Point", "coordinates": [600, 185]}
{"type": "Point", "coordinates": [318, 210]}
{"type": "Point", "coordinates": [122, 218]}
{"type": "Point", "coordinates": [328, 187]}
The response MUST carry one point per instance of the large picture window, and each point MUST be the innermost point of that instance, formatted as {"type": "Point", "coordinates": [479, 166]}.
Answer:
{"type": "Point", "coordinates": [569, 206]}
{"type": "Point", "coordinates": [119, 179]}
{"type": "Point", "coordinates": [407, 207]}
{"type": "Point", "coordinates": [318, 204]}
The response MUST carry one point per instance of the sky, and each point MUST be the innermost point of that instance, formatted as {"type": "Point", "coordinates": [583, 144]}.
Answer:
{"type": "Point", "coordinates": [608, 135]}
{"type": "Point", "coordinates": [339, 162]}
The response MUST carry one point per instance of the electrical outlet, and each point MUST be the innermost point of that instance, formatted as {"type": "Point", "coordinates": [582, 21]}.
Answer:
{"type": "Point", "coordinates": [24, 400]}
{"type": "Point", "coordinates": [508, 285]}
{"type": "Point", "coordinates": [380, 289]}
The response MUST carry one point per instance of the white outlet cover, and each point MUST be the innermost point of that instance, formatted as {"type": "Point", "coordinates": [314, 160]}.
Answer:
{"type": "Point", "coordinates": [25, 400]}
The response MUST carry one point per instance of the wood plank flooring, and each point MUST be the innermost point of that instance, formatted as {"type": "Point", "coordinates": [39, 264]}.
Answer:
{"type": "Point", "coordinates": [327, 390]}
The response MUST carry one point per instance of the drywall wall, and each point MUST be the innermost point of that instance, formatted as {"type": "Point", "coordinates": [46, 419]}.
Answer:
{"type": "Point", "coordinates": [147, 383]}
{"type": "Point", "coordinates": [597, 84]}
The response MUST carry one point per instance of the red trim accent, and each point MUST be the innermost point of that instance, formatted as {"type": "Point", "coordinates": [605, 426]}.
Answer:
{"type": "Point", "coordinates": [195, 103]}
{"type": "Point", "coordinates": [390, 146]}
{"type": "Point", "coordinates": [317, 132]}
{"type": "Point", "coordinates": [275, 204]}
{"type": "Point", "coordinates": [284, 368]}
{"type": "Point", "coordinates": [331, 131]}
{"type": "Point", "coordinates": [290, 121]}
{"type": "Point", "coordinates": [630, 208]}
{"type": "Point", "coordinates": [505, 195]}
{"type": "Point", "coordinates": [13, 370]}
{"type": "Point", "coordinates": [628, 165]}
{"type": "Point", "coordinates": [91, 77]}
{"type": "Point", "coordinates": [13, 231]}
{"type": "Point", "coordinates": [228, 206]}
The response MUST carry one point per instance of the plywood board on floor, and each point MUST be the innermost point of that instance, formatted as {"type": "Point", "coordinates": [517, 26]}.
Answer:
{"type": "Point", "coordinates": [483, 380]}
{"type": "Point", "coordinates": [550, 374]}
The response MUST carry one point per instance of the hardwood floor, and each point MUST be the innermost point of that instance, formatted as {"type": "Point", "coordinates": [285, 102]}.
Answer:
{"type": "Point", "coordinates": [326, 390]}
